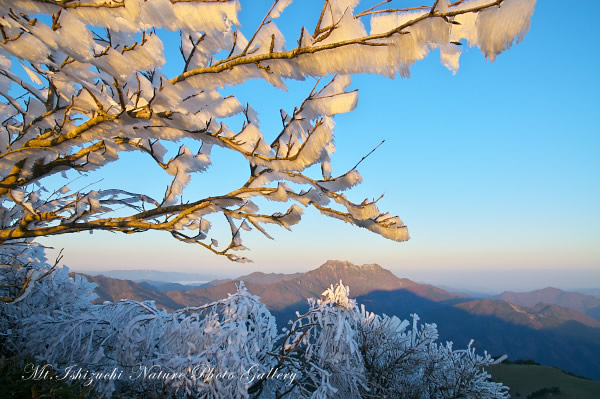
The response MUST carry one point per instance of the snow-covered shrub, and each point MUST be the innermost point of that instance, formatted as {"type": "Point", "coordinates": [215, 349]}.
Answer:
{"type": "Point", "coordinates": [344, 352]}
{"type": "Point", "coordinates": [229, 348]}
{"type": "Point", "coordinates": [409, 363]}
{"type": "Point", "coordinates": [322, 346]}
{"type": "Point", "coordinates": [152, 351]}
{"type": "Point", "coordinates": [32, 287]}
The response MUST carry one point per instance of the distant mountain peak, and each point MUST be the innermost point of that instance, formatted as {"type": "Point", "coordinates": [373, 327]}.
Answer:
{"type": "Point", "coordinates": [372, 267]}
{"type": "Point", "coordinates": [552, 289]}
{"type": "Point", "coordinates": [338, 264]}
{"type": "Point", "coordinates": [543, 291]}
{"type": "Point", "coordinates": [582, 303]}
{"type": "Point", "coordinates": [345, 266]}
{"type": "Point", "coordinates": [539, 316]}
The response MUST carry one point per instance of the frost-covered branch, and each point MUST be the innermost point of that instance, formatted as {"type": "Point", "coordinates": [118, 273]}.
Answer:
{"type": "Point", "coordinates": [83, 81]}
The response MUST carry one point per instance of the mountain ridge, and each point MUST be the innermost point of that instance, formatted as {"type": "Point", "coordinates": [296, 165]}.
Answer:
{"type": "Point", "coordinates": [290, 291]}
{"type": "Point", "coordinates": [257, 278]}
{"type": "Point", "coordinates": [586, 304]}
{"type": "Point", "coordinates": [537, 317]}
{"type": "Point", "coordinates": [548, 333]}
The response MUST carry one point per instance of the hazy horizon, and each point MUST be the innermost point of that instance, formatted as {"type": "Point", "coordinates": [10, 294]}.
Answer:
{"type": "Point", "coordinates": [479, 281]}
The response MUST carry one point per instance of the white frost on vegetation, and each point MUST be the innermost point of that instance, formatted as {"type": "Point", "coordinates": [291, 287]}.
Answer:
{"type": "Point", "coordinates": [333, 350]}
{"type": "Point", "coordinates": [279, 7]}
{"type": "Point", "coordinates": [497, 28]}
{"type": "Point", "coordinates": [342, 183]}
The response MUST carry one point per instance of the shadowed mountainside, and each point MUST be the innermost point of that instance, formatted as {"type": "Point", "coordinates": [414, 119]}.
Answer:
{"type": "Point", "coordinates": [547, 333]}
{"type": "Point", "coordinates": [587, 304]}
{"type": "Point", "coordinates": [537, 317]}
{"type": "Point", "coordinates": [568, 345]}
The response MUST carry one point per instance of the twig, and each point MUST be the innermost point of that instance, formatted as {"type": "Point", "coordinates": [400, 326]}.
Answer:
{"type": "Point", "coordinates": [365, 157]}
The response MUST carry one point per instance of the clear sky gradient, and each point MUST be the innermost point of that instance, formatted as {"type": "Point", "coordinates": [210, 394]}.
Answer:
{"type": "Point", "coordinates": [495, 170]}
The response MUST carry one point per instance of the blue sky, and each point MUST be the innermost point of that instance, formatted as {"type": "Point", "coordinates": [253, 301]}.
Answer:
{"type": "Point", "coordinates": [495, 170]}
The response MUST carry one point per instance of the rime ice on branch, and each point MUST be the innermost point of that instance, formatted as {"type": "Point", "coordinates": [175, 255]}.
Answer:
{"type": "Point", "coordinates": [95, 87]}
